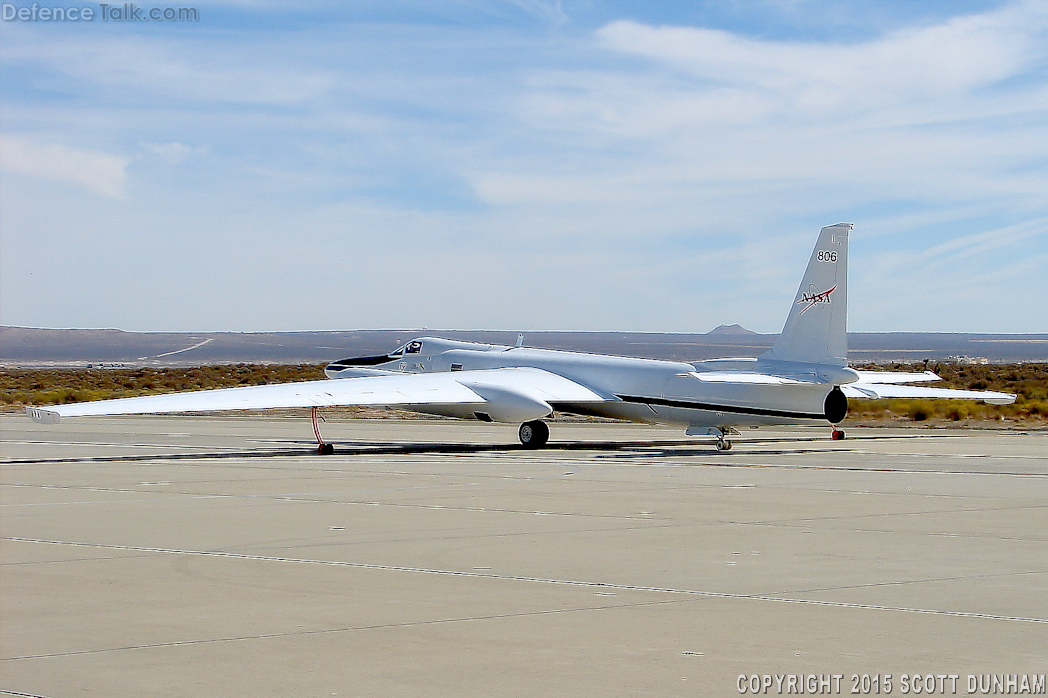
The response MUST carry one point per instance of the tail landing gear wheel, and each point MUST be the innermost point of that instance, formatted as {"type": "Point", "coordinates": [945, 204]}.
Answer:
{"type": "Point", "coordinates": [837, 434]}
{"type": "Point", "coordinates": [533, 434]}
{"type": "Point", "coordinates": [325, 449]}
{"type": "Point", "coordinates": [723, 445]}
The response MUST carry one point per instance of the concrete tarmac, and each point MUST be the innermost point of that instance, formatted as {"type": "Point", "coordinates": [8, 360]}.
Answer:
{"type": "Point", "coordinates": [215, 556]}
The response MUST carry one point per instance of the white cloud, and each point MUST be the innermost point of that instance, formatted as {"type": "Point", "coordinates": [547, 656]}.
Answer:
{"type": "Point", "coordinates": [174, 152]}
{"type": "Point", "coordinates": [102, 173]}
{"type": "Point", "coordinates": [551, 12]}
{"type": "Point", "coordinates": [945, 115]}
{"type": "Point", "coordinates": [154, 71]}
{"type": "Point", "coordinates": [960, 55]}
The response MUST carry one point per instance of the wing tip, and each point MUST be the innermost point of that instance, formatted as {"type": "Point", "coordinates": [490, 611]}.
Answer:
{"type": "Point", "coordinates": [43, 416]}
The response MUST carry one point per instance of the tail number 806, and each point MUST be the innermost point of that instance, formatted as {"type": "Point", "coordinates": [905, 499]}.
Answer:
{"type": "Point", "coordinates": [827, 256]}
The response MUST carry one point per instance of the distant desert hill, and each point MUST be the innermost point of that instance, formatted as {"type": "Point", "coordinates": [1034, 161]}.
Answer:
{"type": "Point", "coordinates": [730, 329]}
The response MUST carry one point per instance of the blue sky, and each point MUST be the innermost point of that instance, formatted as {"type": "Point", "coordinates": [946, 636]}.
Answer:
{"type": "Point", "coordinates": [647, 166]}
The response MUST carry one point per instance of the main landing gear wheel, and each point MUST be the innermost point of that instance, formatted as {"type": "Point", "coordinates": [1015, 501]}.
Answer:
{"type": "Point", "coordinates": [837, 434]}
{"type": "Point", "coordinates": [723, 445]}
{"type": "Point", "coordinates": [533, 434]}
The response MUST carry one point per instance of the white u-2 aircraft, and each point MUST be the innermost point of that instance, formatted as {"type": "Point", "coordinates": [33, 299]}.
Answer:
{"type": "Point", "coordinates": [804, 377]}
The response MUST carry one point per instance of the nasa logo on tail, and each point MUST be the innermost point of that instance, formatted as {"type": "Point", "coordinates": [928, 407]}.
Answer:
{"type": "Point", "coordinates": [814, 296]}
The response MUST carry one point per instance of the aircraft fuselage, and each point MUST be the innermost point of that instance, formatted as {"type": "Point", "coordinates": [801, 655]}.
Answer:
{"type": "Point", "coordinates": [641, 390]}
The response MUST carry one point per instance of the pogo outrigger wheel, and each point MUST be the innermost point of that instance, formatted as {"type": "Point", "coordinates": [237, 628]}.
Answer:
{"type": "Point", "coordinates": [323, 449]}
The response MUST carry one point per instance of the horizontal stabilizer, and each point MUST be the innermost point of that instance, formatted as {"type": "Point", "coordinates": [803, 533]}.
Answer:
{"type": "Point", "coordinates": [750, 378]}
{"type": "Point", "coordinates": [896, 377]}
{"type": "Point", "coordinates": [875, 391]}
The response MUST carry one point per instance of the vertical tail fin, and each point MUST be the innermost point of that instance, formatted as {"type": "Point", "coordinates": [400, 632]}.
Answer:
{"type": "Point", "coordinates": [816, 329]}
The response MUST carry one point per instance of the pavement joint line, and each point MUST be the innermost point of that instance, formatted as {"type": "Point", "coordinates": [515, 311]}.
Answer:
{"type": "Point", "coordinates": [306, 497]}
{"type": "Point", "coordinates": [77, 559]}
{"type": "Point", "coordinates": [19, 693]}
{"type": "Point", "coordinates": [354, 628]}
{"type": "Point", "coordinates": [851, 469]}
{"type": "Point", "coordinates": [332, 499]}
{"type": "Point", "coordinates": [985, 537]}
{"type": "Point", "coordinates": [538, 580]}
{"type": "Point", "coordinates": [156, 456]}
{"type": "Point", "coordinates": [296, 453]}
{"type": "Point", "coordinates": [893, 514]}
{"type": "Point", "coordinates": [113, 444]}
{"type": "Point", "coordinates": [301, 497]}
{"type": "Point", "coordinates": [292, 497]}
{"type": "Point", "coordinates": [294, 544]}
{"type": "Point", "coordinates": [943, 534]}
{"type": "Point", "coordinates": [914, 581]}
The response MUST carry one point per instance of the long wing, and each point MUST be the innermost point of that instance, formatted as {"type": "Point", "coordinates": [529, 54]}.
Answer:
{"type": "Point", "coordinates": [875, 385]}
{"type": "Point", "coordinates": [502, 392]}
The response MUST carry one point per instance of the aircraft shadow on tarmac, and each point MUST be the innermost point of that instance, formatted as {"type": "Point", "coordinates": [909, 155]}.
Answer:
{"type": "Point", "coordinates": [613, 449]}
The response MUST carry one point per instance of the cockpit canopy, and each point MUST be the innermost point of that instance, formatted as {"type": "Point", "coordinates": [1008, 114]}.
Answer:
{"type": "Point", "coordinates": [412, 347]}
